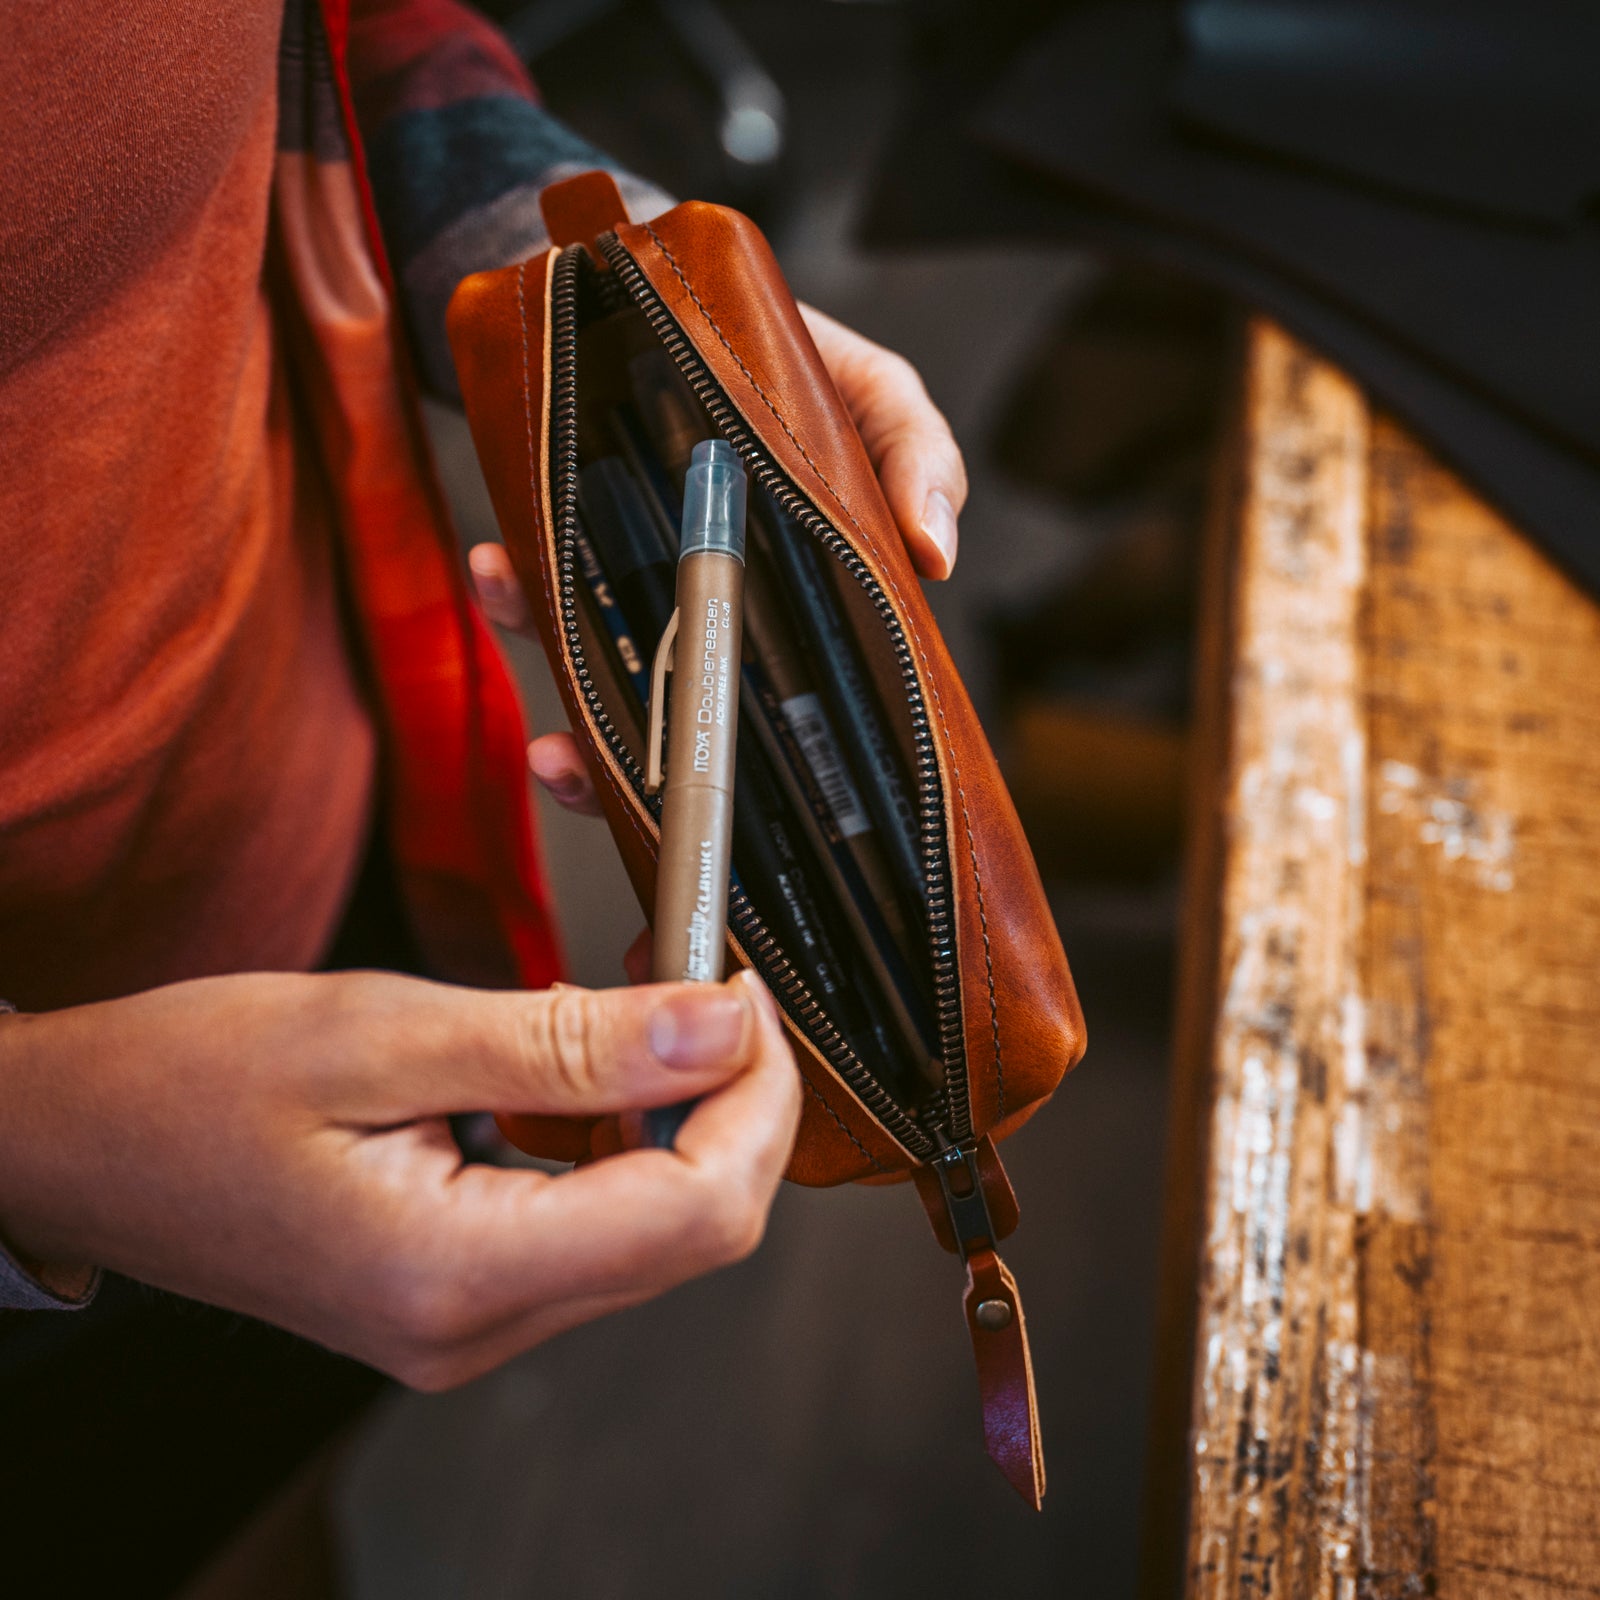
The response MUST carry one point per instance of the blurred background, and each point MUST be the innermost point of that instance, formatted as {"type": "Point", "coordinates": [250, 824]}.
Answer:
{"type": "Point", "coordinates": [807, 1424]}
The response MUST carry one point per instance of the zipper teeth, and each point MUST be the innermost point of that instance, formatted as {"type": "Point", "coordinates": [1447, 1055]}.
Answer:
{"type": "Point", "coordinates": [758, 941]}
{"type": "Point", "coordinates": [564, 451]}
{"type": "Point", "coordinates": [953, 1100]}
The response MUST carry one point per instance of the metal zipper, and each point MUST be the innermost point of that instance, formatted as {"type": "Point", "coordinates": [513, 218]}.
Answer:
{"type": "Point", "coordinates": [948, 1115]}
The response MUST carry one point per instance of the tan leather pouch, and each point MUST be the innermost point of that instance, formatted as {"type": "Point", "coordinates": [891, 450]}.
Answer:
{"type": "Point", "coordinates": [547, 352]}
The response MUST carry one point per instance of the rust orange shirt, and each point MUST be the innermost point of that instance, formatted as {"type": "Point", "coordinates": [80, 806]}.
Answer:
{"type": "Point", "coordinates": [186, 761]}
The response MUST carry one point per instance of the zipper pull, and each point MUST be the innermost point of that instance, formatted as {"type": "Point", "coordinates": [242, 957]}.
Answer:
{"type": "Point", "coordinates": [966, 1179]}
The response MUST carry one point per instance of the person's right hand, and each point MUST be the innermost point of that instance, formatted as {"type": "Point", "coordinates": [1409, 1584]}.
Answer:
{"type": "Point", "coordinates": [277, 1144]}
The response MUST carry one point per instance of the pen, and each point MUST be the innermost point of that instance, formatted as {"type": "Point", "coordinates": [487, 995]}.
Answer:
{"type": "Point", "coordinates": [859, 913]}
{"type": "Point", "coordinates": [634, 446]}
{"type": "Point", "coordinates": [671, 416]}
{"type": "Point", "coordinates": [771, 860]}
{"type": "Point", "coordinates": [702, 643]}
{"type": "Point", "coordinates": [762, 840]}
{"type": "Point", "coordinates": [768, 637]}
{"type": "Point", "coordinates": [846, 689]}
{"type": "Point", "coordinates": [884, 835]}
{"type": "Point", "coordinates": [798, 709]}
{"type": "Point", "coordinates": [622, 642]}
{"type": "Point", "coordinates": [630, 546]}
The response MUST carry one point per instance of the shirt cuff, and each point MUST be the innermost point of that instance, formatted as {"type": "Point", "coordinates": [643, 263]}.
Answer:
{"type": "Point", "coordinates": [20, 1290]}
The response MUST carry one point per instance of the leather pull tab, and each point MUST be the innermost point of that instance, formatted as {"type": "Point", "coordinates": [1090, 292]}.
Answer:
{"type": "Point", "coordinates": [1005, 1375]}
{"type": "Point", "coordinates": [578, 210]}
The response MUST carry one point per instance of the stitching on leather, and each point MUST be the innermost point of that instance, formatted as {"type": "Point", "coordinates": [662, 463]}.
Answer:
{"type": "Point", "coordinates": [844, 1127]}
{"type": "Point", "coordinates": [626, 801]}
{"type": "Point", "coordinates": [700, 306]}
{"type": "Point", "coordinates": [866, 538]}
{"type": "Point", "coordinates": [988, 964]}
{"type": "Point", "coordinates": [527, 417]}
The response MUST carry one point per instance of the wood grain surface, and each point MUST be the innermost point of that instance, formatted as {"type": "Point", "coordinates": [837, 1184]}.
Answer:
{"type": "Point", "coordinates": [1383, 1274]}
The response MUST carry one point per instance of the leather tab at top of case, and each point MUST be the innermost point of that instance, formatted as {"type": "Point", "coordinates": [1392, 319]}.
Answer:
{"type": "Point", "coordinates": [578, 210]}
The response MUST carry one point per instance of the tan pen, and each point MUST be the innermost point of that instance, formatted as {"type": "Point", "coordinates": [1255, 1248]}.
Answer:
{"type": "Point", "coordinates": [701, 649]}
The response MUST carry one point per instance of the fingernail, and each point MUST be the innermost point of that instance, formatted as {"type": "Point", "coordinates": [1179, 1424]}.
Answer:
{"type": "Point", "coordinates": [758, 992]}
{"type": "Point", "coordinates": [697, 1030]}
{"type": "Point", "coordinates": [565, 786]}
{"type": "Point", "coordinates": [939, 523]}
{"type": "Point", "coordinates": [505, 600]}
{"type": "Point", "coordinates": [499, 595]}
{"type": "Point", "coordinates": [561, 781]}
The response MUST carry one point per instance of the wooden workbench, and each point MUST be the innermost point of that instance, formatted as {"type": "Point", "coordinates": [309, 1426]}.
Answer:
{"type": "Point", "coordinates": [1381, 1324]}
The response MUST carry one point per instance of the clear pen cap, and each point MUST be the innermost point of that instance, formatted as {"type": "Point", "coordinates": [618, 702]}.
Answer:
{"type": "Point", "coordinates": [713, 501]}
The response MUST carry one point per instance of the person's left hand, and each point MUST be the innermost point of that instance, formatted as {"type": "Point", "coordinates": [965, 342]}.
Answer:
{"type": "Point", "coordinates": [912, 450]}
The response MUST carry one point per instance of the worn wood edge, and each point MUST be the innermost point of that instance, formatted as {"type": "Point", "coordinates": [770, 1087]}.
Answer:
{"type": "Point", "coordinates": [1276, 1420]}
{"type": "Point", "coordinates": [1273, 1082]}
{"type": "Point", "coordinates": [1387, 1219]}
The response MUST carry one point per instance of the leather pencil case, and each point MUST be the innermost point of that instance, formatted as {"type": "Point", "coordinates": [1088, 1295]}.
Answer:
{"type": "Point", "coordinates": [882, 885]}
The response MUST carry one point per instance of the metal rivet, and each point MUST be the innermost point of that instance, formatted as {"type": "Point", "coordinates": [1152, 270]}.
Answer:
{"type": "Point", "coordinates": [993, 1315]}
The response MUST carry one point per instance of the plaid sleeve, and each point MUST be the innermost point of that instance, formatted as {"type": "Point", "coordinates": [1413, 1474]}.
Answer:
{"type": "Point", "coordinates": [458, 148]}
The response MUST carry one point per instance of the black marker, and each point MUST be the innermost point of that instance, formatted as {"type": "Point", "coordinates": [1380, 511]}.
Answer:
{"type": "Point", "coordinates": [846, 685]}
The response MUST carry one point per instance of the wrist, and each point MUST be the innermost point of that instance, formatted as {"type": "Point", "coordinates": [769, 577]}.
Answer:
{"type": "Point", "coordinates": [29, 1284]}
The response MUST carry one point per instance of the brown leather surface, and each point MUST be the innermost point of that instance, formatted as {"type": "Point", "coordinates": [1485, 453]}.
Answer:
{"type": "Point", "coordinates": [553, 1138]}
{"type": "Point", "coordinates": [1005, 1379]}
{"type": "Point", "coordinates": [713, 270]}
{"type": "Point", "coordinates": [580, 209]}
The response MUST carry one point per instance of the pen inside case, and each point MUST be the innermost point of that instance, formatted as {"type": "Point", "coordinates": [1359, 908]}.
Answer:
{"type": "Point", "coordinates": [817, 905]}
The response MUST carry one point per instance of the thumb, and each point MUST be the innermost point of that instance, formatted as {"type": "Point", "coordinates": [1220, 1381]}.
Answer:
{"type": "Point", "coordinates": [586, 1052]}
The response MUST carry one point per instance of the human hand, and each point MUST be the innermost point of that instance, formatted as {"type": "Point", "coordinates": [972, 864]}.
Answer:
{"type": "Point", "coordinates": [908, 441]}
{"type": "Point", "coordinates": [278, 1144]}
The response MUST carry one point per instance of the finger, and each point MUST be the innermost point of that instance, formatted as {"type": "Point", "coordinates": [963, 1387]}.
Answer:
{"type": "Point", "coordinates": [499, 593]}
{"type": "Point", "coordinates": [449, 1366]}
{"type": "Point", "coordinates": [909, 442]}
{"type": "Point", "coordinates": [657, 1217]}
{"type": "Point", "coordinates": [431, 1050]}
{"type": "Point", "coordinates": [717, 1128]}
{"type": "Point", "coordinates": [631, 1225]}
{"type": "Point", "coordinates": [554, 760]}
